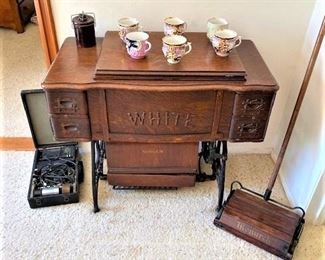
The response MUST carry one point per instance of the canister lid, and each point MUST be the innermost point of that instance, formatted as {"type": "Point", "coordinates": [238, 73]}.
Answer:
{"type": "Point", "coordinates": [83, 19]}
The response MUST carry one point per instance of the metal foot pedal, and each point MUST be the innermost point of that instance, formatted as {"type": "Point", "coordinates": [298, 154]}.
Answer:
{"type": "Point", "coordinates": [267, 224]}
{"type": "Point", "coordinates": [118, 187]}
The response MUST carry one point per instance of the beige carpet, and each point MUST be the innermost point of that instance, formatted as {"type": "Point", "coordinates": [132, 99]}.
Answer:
{"type": "Point", "coordinates": [23, 67]}
{"type": "Point", "coordinates": [132, 224]}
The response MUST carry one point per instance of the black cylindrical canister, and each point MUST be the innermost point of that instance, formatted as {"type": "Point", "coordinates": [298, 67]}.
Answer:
{"type": "Point", "coordinates": [84, 29]}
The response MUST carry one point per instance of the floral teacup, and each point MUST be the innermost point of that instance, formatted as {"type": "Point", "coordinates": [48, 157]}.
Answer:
{"type": "Point", "coordinates": [175, 47]}
{"type": "Point", "coordinates": [137, 45]}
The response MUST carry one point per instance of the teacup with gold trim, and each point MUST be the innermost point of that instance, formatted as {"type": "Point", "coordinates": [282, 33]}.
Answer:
{"type": "Point", "coordinates": [175, 47]}
{"type": "Point", "coordinates": [224, 41]}
{"type": "Point", "coordinates": [214, 24]}
{"type": "Point", "coordinates": [127, 25]}
{"type": "Point", "coordinates": [174, 25]}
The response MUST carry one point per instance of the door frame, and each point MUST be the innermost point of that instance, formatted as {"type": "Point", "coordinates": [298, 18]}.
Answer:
{"type": "Point", "coordinates": [47, 30]}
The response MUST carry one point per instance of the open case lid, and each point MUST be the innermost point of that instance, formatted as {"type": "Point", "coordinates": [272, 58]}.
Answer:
{"type": "Point", "coordinates": [36, 109]}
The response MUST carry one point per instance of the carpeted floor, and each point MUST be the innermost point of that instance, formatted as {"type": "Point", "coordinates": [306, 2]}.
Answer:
{"type": "Point", "coordinates": [23, 68]}
{"type": "Point", "coordinates": [132, 224]}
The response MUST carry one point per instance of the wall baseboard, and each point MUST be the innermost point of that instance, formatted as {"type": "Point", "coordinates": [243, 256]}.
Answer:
{"type": "Point", "coordinates": [16, 144]}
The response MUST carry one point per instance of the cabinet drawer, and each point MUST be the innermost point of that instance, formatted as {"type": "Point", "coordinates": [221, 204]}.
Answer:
{"type": "Point", "coordinates": [253, 104]}
{"type": "Point", "coordinates": [247, 129]}
{"type": "Point", "coordinates": [71, 127]}
{"type": "Point", "coordinates": [67, 102]}
{"type": "Point", "coordinates": [160, 158]}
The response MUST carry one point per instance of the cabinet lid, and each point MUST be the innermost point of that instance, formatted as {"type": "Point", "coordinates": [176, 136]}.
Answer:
{"type": "Point", "coordinates": [200, 64]}
{"type": "Point", "coordinates": [35, 106]}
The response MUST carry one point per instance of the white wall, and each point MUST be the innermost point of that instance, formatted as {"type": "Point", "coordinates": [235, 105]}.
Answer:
{"type": "Point", "coordinates": [304, 162]}
{"type": "Point", "coordinates": [277, 27]}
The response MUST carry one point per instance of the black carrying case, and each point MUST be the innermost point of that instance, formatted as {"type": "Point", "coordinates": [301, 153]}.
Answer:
{"type": "Point", "coordinates": [57, 169]}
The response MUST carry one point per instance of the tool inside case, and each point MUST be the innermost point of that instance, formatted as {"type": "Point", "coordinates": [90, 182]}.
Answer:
{"type": "Point", "coordinates": [57, 170]}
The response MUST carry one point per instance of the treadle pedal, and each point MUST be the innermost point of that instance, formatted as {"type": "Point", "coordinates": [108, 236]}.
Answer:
{"type": "Point", "coordinates": [103, 177]}
{"type": "Point", "coordinates": [205, 177]}
{"type": "Point", "coordinates": [118, 187]}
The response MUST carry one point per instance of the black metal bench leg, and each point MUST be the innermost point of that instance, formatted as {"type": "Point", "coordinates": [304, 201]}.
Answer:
{"type": "Point", "coordinates": [207, 153]}
{"type": "Point", "coordinates": [214, 153]}
{"type": "Point", "coordinates": [94, 176]}
{"type": "Point", "coordinates": [219, 169]}
{"type": "Point", "coordinates": [97, 160]}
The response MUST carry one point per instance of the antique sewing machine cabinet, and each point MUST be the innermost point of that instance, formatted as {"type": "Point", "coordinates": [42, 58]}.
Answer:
{"type": "Point", "coordinates": [149, 125]}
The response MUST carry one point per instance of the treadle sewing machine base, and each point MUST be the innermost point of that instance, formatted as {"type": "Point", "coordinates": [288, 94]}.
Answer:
{"type": "Point", "coordinates": [214, 153]}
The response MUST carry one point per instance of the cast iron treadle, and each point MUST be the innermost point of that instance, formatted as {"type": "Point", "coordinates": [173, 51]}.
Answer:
{"type": "Point", "coordinates": [97, 159]}
{"type": "Point", "coordinates": [118, 187]}
{"type": "Point", "coordinates": [216, 154]}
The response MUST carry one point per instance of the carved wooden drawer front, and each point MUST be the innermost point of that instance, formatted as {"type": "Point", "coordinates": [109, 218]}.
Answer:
{"type": "Point", "coordinates": [247, 129]}
{"type": "Point", "coordinates": [67, 102]}
{"type": "Point", "coordinates": [253, 104]}
{"type": "Point", "coordinates": [160, 113]}
{"type": "Point", "coordinates": [71, 127]}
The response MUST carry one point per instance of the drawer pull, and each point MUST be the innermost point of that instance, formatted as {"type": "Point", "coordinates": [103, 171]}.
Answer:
{"type": "Point", "coordinates": [256, 104]}
{"type": "Point", "coordinates": [70, 128]}
{"type": "Point", "coordinates": [65, 105]}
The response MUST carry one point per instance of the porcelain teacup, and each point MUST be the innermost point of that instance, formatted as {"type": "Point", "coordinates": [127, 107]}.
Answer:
{"type": "Point", "coordinates": [126, 25]}
{"type": "Point", "coordinates": [174, 25]}
{"type": "Point", "coordinates": [175, 47]}
{"type": "Point", "coordinates": [137, 44]}
{"type": "Point", "coordinates": [223, 41]}
{"type": "Point", "coordinates": [215, 24]}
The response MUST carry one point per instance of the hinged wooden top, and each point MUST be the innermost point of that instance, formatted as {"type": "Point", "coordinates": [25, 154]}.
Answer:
{"type": "Point", "coordinates": [74, 68]}
{"type": "Point", "coordinates": [200, 64]}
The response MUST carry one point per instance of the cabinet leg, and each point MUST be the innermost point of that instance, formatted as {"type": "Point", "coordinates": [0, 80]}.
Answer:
{"type": "Point", "coordinates": [214, 153]}
{"type": "Point", "coordinates": [97, 159]}
{"type": "Point", "coordinates": [219, 169]}
{"type": "Point", "coordinates": [207, 154]}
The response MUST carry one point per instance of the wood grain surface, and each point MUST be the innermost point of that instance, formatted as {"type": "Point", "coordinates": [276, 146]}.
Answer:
{"type": "Point", "coordinates": [154, 156]}
{"type": "Point", "coordinates": [169, 113]}
{"type": "Point", "coordinates": [74, 68]}
{"type": "Point", "coordinates": [260, 222]}
{"type": "Point", "coordinates": [200, 63]}
{"type": "Point", "coordinates": [16, 144]}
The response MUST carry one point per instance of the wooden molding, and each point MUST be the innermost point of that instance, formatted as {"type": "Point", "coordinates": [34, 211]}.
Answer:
{"type": "Point", "coordinates": [47, 30]}
{"type": "Point", "coordinates": [16, 144]}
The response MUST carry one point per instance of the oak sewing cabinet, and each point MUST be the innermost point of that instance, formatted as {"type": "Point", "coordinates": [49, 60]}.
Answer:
{"type": "Point", "coordinates": [149, 118]}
